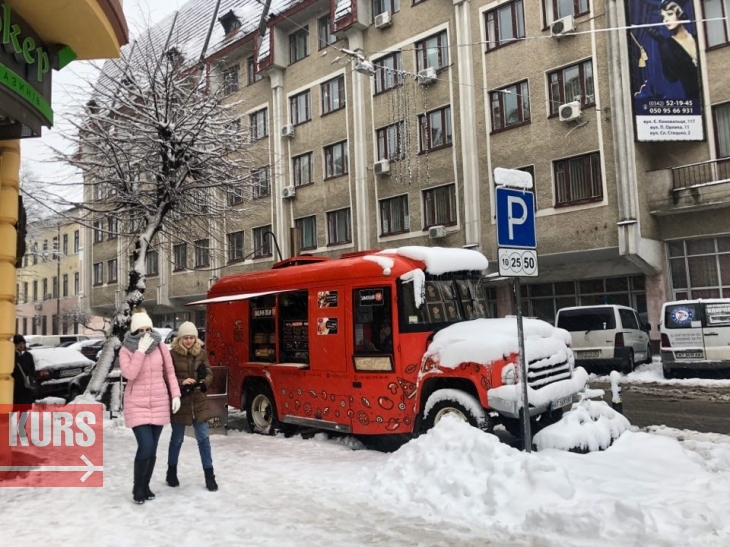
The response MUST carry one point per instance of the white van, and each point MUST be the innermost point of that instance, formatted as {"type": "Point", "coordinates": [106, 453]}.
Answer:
{"type": "Point", "coordinates": [695, 335]}
{"type": "Point", "coordinates": [606, 336]}
{"type": "Point", "coordinates": [52, 340]}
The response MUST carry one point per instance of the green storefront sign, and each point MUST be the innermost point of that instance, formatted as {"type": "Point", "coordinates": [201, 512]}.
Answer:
{"type": "Point", "coordinates": [25, 78]}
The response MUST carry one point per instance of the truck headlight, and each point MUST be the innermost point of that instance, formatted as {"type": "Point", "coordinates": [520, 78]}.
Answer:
{"type": "Point", "coordinates": [508, 375]}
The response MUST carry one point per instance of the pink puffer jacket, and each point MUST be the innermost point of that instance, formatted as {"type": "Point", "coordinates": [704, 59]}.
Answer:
{"type": "Point", "coordinates": [146, 397]}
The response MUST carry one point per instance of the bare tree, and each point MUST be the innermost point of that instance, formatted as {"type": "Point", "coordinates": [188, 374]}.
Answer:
{"type": "Point", "coordinates": [160, 153]}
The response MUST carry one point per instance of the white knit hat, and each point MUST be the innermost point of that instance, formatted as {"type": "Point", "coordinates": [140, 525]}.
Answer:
{"type": "Point", "coordinates": [187, 329]}
{"type": "Point", "coordinates": [139, 320]}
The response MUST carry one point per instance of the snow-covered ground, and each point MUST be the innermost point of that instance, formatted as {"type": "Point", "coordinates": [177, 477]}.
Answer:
{"type": "Point", "coordinates": [652, 373]}
{"type": "Point", "coordinates": [454, 486]}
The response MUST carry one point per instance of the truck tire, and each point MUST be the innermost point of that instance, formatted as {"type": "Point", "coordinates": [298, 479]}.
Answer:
{"type": "Point", "coordinates": [261, 411]}
{"type": "Point", "coordinates": [456, 403]}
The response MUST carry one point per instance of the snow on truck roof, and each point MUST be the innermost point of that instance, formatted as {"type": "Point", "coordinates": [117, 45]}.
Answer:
{"type": "Point", "coordinates": [395, 262]}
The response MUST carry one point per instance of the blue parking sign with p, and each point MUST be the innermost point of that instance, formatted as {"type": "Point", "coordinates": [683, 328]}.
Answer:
{"type": "Point", "coordinates": [515, 218]}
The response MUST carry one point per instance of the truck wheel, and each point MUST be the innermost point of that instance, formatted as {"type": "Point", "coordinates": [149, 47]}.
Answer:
{"type": "Point", "coordinates": [628, 365]}
{"type": "Point", "coordinates": [458, 404]}
{"type": "Point", "coordinates": [261, 411]}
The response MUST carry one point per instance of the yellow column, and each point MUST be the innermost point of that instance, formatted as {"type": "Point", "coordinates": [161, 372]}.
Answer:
{"type": "Point", "coordinates": [9, 176]}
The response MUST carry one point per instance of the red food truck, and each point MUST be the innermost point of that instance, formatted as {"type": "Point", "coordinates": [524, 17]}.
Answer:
{"type": "Point", "coordinates": [379, 343]}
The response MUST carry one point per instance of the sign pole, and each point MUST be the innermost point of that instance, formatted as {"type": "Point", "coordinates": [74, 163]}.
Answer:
{"type": "Point", "coordinates": [526, 433]}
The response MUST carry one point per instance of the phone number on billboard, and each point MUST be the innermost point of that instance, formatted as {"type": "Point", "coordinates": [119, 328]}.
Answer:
{"type": "Point", "coordinates": [668, 102]}
{"type": "Point", "coordinates": [670, 110]}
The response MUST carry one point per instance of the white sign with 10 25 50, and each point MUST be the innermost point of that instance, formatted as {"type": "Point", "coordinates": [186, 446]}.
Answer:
{"type": "Point", "coordinates": [517, 262]}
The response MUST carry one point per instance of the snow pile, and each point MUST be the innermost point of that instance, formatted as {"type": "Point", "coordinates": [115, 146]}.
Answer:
{"type": "Point", "coordinates": [384, 262]}
{"type": "Point", "coordinates": [589, 426]}
{"type": "Point", "coordinates": [58, 357]}
{"type": "Point", "coordinates": [441, 260]}
{"type": "Point", "coordinates": [513, 178]}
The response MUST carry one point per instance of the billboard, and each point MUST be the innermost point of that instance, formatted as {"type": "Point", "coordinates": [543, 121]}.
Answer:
{"type": "Point", "coordinates": [665, 75]}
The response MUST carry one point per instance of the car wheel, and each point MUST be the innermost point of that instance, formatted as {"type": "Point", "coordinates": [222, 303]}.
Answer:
{"type": "Point", "coordinates": [261, 411]}
{"type": "Point", "coordinates": [649, 356]}
{"type": "Point", "coordinates": [668, 373]}
{"type": "Point", "coordinates": [628, 365]}
{"type": "Point", "coordinates": [463, 406]}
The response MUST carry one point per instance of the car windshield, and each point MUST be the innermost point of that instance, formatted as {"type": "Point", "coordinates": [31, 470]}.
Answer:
{"type": "Point", "coordinates": [586, 319]}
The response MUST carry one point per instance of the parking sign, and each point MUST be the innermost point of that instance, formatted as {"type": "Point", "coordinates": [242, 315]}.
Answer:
{"type": "Point", "coordinates": [516, 218]}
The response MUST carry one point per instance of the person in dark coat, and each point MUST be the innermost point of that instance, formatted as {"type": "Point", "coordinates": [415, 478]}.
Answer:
{"type": "Point", "coordinates": [24, 390]}
{"type": "Point", "coordinates": [194, 376]}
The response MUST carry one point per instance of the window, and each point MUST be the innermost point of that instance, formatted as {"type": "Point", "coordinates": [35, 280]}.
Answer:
{"type": "Point", "coordinates": [628, 319]}
{"type": "Point", "coordinates": [298, 45]}
{"type": "Point", "coordinates": [54, 248]}
{"type": "Point", "coordinates": [433, 52]}
{"type": "Point", "coordinates": [440, 206]}
{"type": "Point", "coordinates": [235, 246]}
{"type": "Point", "coordinates": [324, 26]}
{"type": "Point", "coordinates": [394, 217]}
{"type": "Point", "coordinates": [180, 256]}
{"type": "Point", "coordinates": [76, 241]}
{"type": "Point", "coordinates": [700, 268]}
{"type": "Point", "coordinates": [235, 196]}
{"type": "Point", "coordinates": [202, 252]}
{"type": "Point", "coordinates": [45, 289]}
{"type": "Point", "coordinates": [339, 229]}
{"type": "Point", "coordinates": [306, 232]}
{"type": "Point", "coordinates": [77, 284]}
{"type": "Point", "coordinates": [573, 83]}
{"type": "Point", "coordinates": [435, 129]}
{"type": "Point", "coordinates": [391, 142]}
{"type": "Point", "coordinates": [35, 291]}
{"type": "Point", "coordinates": [45, 250]}
{"type": "Point", "coordinates": [64, 292]}
{"type": "Point", "coordinates": [253, 76]}
{"type": "Point", "coordinates": [510, 106]}
{"type": "Point", "coordinates": [98, 273]}
{"type": "Point", "coordinates": [381, 6]}
{"type": "Point", "coordinates": [557, 9]}
{"type": "Point", "coordinates": [335, 160]}
{"type": "Point", "coordinates": [302, 166]}
{"type": "Point", "coordinates": [333, 95]}
{"type": "Point", "coordinates": [261, 180]}
{"type": "Point", "coordinates": [98, 232]}
{"type": "Point", "coordinates": [504, 24]}
{"type": "Point", "coordinates": [152, 260]}
{"type": "Point", "coordinates": [111, 270]}
{"type": "Point", "coordinates": [25, 292]}
{"type": "Point", "coordinates": [717, 31]}
{"type": "Point", "coordinates": [64, 249]}
{"type": "Point", "coordinates": [300, 108]}
{"type": "Point", "coordinates": [35, 254]}
{"type": "Point", "coordinates": [722, 127]}
{"type": "Point", "coordinates": [54, 287]}
{"type": "Point", "coordinates": [230, 79]}
{"type": "Point", "coordinates": [112, 227]}
{"type": "Point", "coordinates": [261, 242]}
{"type": "Point", "coordinates": [372, 308]}
{"type": "Point", "coordinates": [259, 128]}
{"type": "Point", "coordinates": [578, 180]}
{"type": "Point", "coordinates": [388, 72]}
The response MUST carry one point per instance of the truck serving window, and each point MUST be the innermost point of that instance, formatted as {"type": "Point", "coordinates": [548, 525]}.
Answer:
{"type": "Point", "coordinates": [445, 301]}
{"type": "Point", "coordinates": [263, 328]}
{"type": "Point", "coordinates": [294, 327]}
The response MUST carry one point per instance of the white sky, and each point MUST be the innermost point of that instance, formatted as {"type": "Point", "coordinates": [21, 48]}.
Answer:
{"type": "Point", "coordinates": [36, 155]}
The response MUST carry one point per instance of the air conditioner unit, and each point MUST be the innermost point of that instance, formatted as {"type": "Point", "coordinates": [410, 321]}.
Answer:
{"type": "Point", "coordinates": [436, 232]}
{"type": "Point", "coordinates": [383, 20]}
{"type": "Point", "coordinates": [38, 306]}
{"type": "Point", "coordinates": [570, 111]}
{"type": "Point", "coordinates": [563, 26]}
{"type": "Point", "coordinates": [427, 76]}
{"type": "Point", "coordinates": [287, 131]}
{"type": "Point", "coordinates": [382, 167]}
{"type": "Point", "coordinates": [288, 192]}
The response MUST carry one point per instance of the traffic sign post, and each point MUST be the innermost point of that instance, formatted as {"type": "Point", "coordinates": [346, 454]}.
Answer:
{"type": "Point", "coordinates": [517, 256]}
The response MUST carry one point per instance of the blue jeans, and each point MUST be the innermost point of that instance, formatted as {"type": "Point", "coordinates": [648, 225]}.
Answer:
{"type": "Point", "coordinates": [201, 434]}
{"type": "Point", "coordinates": [147, 438]}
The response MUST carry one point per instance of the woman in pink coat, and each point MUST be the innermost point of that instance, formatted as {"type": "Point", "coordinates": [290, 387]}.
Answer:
{"type": "Point", "coordinates": [147, 365]}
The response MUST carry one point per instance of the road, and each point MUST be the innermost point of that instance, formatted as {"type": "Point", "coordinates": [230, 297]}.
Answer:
{"type": "Point", "coordinates": [704, 409]}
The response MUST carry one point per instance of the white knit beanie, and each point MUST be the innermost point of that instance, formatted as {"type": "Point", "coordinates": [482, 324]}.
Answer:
{"type": "Point", "coordinates": [187, 329]}
{"type": "Point", "coordinates": [139, 320]}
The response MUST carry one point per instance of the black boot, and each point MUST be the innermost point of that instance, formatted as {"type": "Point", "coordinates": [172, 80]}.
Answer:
{"type": "Point", "coordinates": [147, 477]}
{"type": "Point", "coordinates": [210, 483]}
{"type": "Point", "coordinates": [138, 490]}
{"type": "Point", "coordinates": [172, 476]}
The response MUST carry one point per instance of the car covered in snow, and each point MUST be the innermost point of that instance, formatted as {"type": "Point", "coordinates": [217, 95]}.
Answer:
{"type": "Point", "coordinates": [55, 368]}
{"type": "Point", "coordinates": [88, 348]}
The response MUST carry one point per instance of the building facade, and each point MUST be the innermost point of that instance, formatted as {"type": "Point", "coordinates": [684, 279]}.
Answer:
{"type": "Point", "coordinates": [379, 123]}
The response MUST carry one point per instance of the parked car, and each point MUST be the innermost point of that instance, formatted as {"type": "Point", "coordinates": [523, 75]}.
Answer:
{"type": "Point", "coordinates": [55, 368]}
{"type": "Point", "coordinates": [80, 382]}
{"type": "Point", "coordinates": [695, 336]}
{"type": "Point", "coordinates": [606, 336]}
{"type": "Point", "coordinates": [89, 348]}
{"type": "Point", "coordinates": [52, 340]}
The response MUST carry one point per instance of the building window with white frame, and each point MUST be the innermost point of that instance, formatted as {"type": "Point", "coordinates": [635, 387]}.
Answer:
{"type": "Point", "coordinates": [98, 232]}
{"type": "Point", "coordinates": [262, 242]}
{"type": "Point", "coordinates": [300, 108]}
{"type": "Point", "coordinates": [333, 95]}
{"type": "Point", "coordinates": [335, 160]}
{"type": "Point", "coordinates": [394, 218]}
{"type": "Point", "coordinates": [578, 180]}
{"type": "Point", "coordinates": [261, 180]}
{"type": "Point", "coordinates": [435, 129]}
{"type": "Point", "coordinates": [510, 106]}
{"type": "Point", "coordinates": [391, 142]}
{"type": "Point", "coordinates": [700, 268]}
{"type": "Point", "coordinates": [381, 6]}
{"type": "Point", "coordinates": [258, 124]}
{"type": "Point", "coordinates": [722, 129]}
{"type": "Point", "coordinates": [253, 76]}
{"type": "Point", "coordinates": [180, 257]}
{"type": "Point", "coordinates": [77, 284]}
{"type": "Point", "coordinates": [557, 9]}
{"type": "Point", "coordinates": [440, 206]}
{"type": "Point", "coordinates": [235, 246]}
{"type": "Point", "coordinates": [388, 72]}
{"type": "Point", "coordinates": [230, 79]}
{"type": "Point", "coordinates": [339, 227]}
{"type": "Point", "coordinates": [325, 34]}
{"type": "Point", "coordinates": [152, 260]}
{"type": "Point", "coordinates": [433, 52]}
{"type": "Point", "coordinates": [98, 269]}
{"type": "Point", "coordinates": [302, 168]}
{"type": "Point", "coordinates": [112, 227]}
{"type": "Point", "coordinates": [298, 45]}
{"type": "Point", "coordinates": [306, 232]}
{"type": "Point", "coordinates": [202, 253]}
{"type": "Point", "coordinates": [504, 24]}
{"type": "Point", "coordinates": [111, 270]}
{"type": "Point", "coordinates": [572, 83]}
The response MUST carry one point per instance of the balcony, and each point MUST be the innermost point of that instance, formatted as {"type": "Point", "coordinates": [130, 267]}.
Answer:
{"type": "Point", "coordinates": [689, 188]}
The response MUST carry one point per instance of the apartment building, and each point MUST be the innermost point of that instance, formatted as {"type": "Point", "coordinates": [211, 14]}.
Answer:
{"type": "Point", "coordinates": [379, 123]}
{"type": "Point", "coordinates": [49, 281]}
